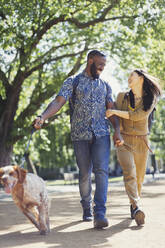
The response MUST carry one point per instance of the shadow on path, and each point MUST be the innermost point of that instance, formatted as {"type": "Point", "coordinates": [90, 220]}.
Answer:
{"type": "Point", "coordinates": [63, 238]}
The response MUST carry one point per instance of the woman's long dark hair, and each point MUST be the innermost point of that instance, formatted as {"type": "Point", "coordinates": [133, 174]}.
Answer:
{"type": "Point", "coordinates": [149, 91]}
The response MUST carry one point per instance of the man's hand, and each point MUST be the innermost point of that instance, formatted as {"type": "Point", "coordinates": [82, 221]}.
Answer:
{"type": "Point", "coordinates": [38, 122]}
{"type": "Point", "coordinates": [111, 115]}
{"type": "Point", "coordinates": [117, 138]}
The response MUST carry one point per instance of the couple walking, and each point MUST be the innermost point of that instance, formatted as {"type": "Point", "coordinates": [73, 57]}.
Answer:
{"type": "Point", "coordinates": [93, 108]}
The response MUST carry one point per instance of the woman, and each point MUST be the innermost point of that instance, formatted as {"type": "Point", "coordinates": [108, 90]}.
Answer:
{"type": "Point", "coordinates": [134, 108]}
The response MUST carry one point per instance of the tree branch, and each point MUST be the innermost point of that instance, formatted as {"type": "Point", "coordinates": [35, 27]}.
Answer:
{"type": "Point", "coordinates": [62, 18]}
{"type": "Point", "coordinates": [38, 34]}
{"type": "Point", "coordinates": [28, 129]}
{"type": "Point", "coordinates": [35, 68]}
{"type": "Point", "coordinates": [46, 26]}
{"type": "Point", "coordinates": [4, 80]}
{"type": "Point", "coordinates": [11, 65]}
{"type": "Point", "coordinates": [100, 19]}
{"type": "Point", "coordinates": [121, 17]}
{"type": "Point", "coordinates": [42, 96]}
{"type": "Point", "coordinates": [30, 110]}
{"type": "Point", "coordinates": [52, 50]}
{"type": "Point", "coordinates": [94, 21]}
{"type": "Point", "coordinates": [78, 62]}
{"type": "Point", "coordinates": [76, 66]}
{"type": "Point", "coordinates": [40, 14]}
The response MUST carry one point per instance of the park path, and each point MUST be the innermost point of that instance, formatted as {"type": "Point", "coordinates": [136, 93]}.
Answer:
{"type": "Point", "coordinates": [68, 231]}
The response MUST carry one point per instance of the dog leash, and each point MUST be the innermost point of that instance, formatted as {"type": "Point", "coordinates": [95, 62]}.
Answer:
{"type": "Point", "coordinates": [26, 149]}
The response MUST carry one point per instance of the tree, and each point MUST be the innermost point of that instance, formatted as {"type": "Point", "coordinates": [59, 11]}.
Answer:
{"type": "Point", "coordinates": [158, 132]}
{"type": "Point", "coordinates": [45, 41]}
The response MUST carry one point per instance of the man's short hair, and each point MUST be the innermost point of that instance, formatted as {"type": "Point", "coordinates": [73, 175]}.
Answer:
{"type": "Point", "coordinates": [94, 53]}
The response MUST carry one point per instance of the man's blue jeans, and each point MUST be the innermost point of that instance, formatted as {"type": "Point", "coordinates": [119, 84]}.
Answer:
{"type": "Point", "coordinates": [93, 155]}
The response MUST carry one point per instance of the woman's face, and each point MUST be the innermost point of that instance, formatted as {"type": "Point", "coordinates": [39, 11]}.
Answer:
{"type": "Point", "coordinates": [134, 80]}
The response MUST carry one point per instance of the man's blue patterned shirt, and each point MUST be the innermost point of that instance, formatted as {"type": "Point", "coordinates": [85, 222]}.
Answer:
{"type": "Point", "coordinates": [90, 106]}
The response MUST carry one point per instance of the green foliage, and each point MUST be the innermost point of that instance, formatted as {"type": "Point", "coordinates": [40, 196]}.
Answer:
{"type": "Point", "coordinates": [43, 42]}
{"type": "Point", "coordinates": [158, 131]}
{"type": "Point", "coordinates": [59, 152]}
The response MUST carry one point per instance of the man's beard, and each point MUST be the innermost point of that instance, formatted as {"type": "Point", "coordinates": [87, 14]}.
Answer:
{"type": "Point", "coordinates": [93, 70]}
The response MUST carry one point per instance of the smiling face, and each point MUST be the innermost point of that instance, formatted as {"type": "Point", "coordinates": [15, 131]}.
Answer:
{"type": "Point", "coordinates": [135, 80]}
{"type": "Point", "coordinates": [97, 64]}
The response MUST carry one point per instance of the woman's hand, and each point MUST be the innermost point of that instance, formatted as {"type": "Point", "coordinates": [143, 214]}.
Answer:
{"type": "Point", "coordinates": [119, 113]}
{"type": "Point", "coordinates": [110, 112]}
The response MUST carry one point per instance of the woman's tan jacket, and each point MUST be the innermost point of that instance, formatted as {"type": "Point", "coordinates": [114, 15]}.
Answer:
{"type": "Point", "coordinates": [135, 129]}
{"type": "Point", "coordinates": [137, 124]}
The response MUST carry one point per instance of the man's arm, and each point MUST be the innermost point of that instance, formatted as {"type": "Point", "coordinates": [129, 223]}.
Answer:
{"type": "Point", "coordinates": [51, 110]}
{"type": "Point", "coordinates": [118, 140]}
{"type": "Point", "coordinates": [53, 107]}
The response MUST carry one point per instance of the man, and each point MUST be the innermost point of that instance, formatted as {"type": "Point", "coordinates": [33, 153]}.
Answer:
{"type": "Point", "coordinates": [89, 132]}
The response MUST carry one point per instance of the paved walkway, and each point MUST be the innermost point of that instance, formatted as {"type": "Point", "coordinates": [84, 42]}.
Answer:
{"type": "Point", "coordinates": [68, 231]}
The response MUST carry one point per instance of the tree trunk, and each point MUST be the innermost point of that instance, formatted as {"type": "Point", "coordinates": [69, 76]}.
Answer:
{"type": "Point", "coordinates": [7, 113]}
{"type": "Point", "coordinates": [5, 154]}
